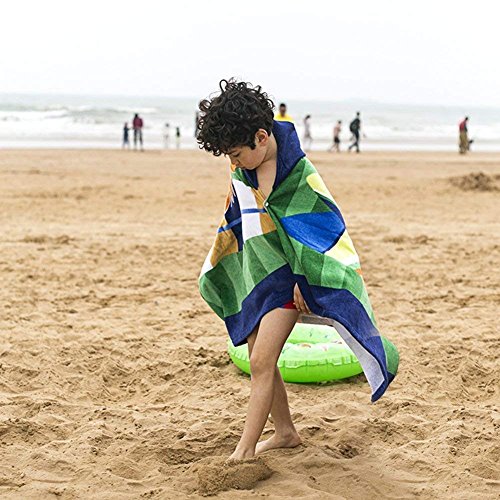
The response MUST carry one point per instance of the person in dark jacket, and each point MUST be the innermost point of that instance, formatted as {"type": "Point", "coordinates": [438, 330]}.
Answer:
{"type": "Point", "coordinates": [355, 128]}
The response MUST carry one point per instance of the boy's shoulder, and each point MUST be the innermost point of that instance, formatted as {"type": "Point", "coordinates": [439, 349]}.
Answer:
{"type": "Point", "coordinates": [284, 125]}
{"type": "Point", "coordinates": [289, 148]}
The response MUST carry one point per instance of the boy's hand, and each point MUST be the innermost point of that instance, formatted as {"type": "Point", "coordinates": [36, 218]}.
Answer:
{"type": "Point", "coordinates": [299, 301]}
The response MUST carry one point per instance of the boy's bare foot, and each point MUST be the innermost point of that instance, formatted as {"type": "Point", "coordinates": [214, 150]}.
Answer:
{"type": "Point", "coordinates": [275, 441]}
{"type": "Point", "coordinates": [240, 455]}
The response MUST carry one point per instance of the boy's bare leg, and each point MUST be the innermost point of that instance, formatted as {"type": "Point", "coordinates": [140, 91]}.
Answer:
{"type": "Point", "coordinates": [266, 347]}
{"type": "Point", "coordinates": [285, 436]}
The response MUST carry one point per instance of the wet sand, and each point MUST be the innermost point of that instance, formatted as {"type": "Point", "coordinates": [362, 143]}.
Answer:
{"type": "Point", "coordinates": [114, 377]}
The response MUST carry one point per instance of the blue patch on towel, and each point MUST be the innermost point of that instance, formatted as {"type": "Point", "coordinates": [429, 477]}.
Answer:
{"type": "Point", "coordinates": [319, 231]}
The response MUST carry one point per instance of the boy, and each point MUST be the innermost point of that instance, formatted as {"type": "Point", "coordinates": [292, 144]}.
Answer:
{"type": "Point", "coordinates": [281, 249]}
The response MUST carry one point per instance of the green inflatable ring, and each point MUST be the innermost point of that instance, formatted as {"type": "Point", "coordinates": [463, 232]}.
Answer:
{"type": "Point", "coordinates": [312, 353]}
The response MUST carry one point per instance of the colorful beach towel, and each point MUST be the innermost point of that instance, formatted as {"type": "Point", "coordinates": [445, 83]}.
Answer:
{"type": "Point", "coordinates": [297, 234]}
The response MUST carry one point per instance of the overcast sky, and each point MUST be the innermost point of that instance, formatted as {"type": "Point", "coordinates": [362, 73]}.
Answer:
{"type": "Point", "coordinates": [437, 52]}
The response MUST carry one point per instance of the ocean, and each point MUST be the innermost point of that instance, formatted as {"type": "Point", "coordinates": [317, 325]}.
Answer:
{"type": "Point", "coordinates": [78, 121]}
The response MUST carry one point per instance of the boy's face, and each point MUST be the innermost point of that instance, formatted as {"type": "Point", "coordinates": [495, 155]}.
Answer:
{"type": "Point", "coordinates": [247, 158]}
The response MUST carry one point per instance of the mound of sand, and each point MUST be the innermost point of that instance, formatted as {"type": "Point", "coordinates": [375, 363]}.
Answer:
{"type": "Point", "coordinates": [476, 181]}
{"type": "Point", "coordinates": [219, 475]}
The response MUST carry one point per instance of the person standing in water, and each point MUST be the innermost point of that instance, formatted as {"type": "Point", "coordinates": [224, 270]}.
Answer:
{"type": "Point", "coordinates": [137, 124]}
{"type": "Point", "coordinates": [166, 136]}
{"type": "Point", "coordinates": [355, 128]}
{"type": "Point", "coordinates": [307, 133]}
{"type": "Point", "coordinates": [178, 137]}
{"type": "Point", "coordinates": [463, 138]}
{"type": "Point", "coordinates": [126, 142]}
{"type": "Point", "coordinates": [282, 115]}
{"type": "Point", "coordinates": [336, 137]}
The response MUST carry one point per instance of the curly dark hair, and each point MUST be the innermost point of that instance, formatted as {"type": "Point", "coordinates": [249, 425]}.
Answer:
{"type": "Point", "coordinates": [233, 117]}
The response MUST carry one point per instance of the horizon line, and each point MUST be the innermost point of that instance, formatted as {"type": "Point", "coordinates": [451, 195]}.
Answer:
{"type": "Point", "coordinates": [354, 100]}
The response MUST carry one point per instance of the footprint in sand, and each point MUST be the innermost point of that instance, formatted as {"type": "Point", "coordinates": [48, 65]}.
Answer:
{"type": "Point", "coordinates": [217, 474]}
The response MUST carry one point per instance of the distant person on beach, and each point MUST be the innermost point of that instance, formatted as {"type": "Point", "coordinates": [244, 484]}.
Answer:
{"type": "Point", "coordinates": [355, 129]}
{"type": "Point", "coordinates": [336, 137]}
{"type": "Point", "coordinates": [126, 142]}
{"type": "Point", "coordinates": [463, 137]}
{"type": "Point", "coordinates": [177, 137]}
{"type": "Point", "coordinates": [137, 124]}
{"type": "Point", "coordinates": [307, 133]}
{"type": "Point", "coordinates": [166, 136]}
{"type": "Point", "coordinates": [282, 115]}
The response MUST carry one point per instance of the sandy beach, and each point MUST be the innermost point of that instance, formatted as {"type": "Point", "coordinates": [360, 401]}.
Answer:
{"type": "Point", "coordinates": [114, 377]}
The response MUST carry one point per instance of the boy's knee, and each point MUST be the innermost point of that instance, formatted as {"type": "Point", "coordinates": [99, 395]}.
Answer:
{"type": "Point", "coordinates": [260, 365]}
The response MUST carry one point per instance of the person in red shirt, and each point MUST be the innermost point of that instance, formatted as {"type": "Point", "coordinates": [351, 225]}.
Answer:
{"type": "Point", "coordinates": [137, 125]}
{"type": "Point", "coordinates": [463, 141]}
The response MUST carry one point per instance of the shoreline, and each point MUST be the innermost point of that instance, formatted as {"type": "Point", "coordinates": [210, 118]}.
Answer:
{"type": "Point", "coordinates": [199, 154]}
{"type": "Point", "coordinates": [195, 150]}
{"type": "Point", "coordinates": [486, 147]}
